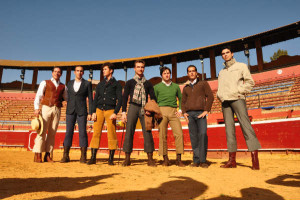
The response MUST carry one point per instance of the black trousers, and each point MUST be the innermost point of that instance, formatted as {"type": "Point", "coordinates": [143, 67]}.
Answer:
{"type": "Point", "coordinates": [83, 138]}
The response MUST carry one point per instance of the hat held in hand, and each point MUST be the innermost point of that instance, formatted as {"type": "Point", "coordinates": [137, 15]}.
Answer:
{"type": "Point", "coordinates": [37, 124]}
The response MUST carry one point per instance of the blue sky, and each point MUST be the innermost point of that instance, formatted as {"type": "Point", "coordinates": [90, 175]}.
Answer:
{"type": "Point", "coordinates": [86, 30]}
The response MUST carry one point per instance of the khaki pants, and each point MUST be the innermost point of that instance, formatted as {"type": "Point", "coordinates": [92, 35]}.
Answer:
{"type": "Point", "coordinates": [169, 117]}
{"type": "Point", "coordinates": [103, 115]}
{"type": "Point", "coordinates": [43, 142]}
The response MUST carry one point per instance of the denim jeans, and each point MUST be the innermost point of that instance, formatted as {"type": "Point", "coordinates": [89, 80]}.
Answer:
{"type": "Point", "coordinates": [198, 136]}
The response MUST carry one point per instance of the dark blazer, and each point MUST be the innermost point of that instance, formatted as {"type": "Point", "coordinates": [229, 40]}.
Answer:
{"type": "Point", "coordinates": [108, 95]}
{"type": "Point", "coordinates": [77, 100]}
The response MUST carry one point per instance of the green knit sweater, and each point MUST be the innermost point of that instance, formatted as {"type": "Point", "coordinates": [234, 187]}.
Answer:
{"type": "Point", "coordinates": [167, 95]}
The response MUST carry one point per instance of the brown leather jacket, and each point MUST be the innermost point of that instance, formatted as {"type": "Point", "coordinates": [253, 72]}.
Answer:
{"type": "Point", "coordinates": [155, 117]}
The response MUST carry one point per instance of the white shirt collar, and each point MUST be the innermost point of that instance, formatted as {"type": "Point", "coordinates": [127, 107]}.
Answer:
{"type": "Point", "coordinates": [194, 81]}
{"type": "Point", "coordinates": [56, 83]}
{"type": "Point", "coordinates": [76, 85]}
{"type": "Point", "coordinates": [167, 84]}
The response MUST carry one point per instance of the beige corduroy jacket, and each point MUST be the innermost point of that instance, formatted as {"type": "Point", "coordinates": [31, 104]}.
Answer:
{"type": "Point", "coordinates": [234, 81]}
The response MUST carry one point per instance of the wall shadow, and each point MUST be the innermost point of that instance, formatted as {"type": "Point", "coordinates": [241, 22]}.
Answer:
{"type": "Point", "coordinates": [285, 180]}
{"type": "Point", "coordinates": [16, 186]}
{"type": "Point", "coordinates": [184, 188]}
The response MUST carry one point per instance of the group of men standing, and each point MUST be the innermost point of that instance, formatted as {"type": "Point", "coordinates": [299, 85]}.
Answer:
{"type": "Point", "coordinates": [195, 103]}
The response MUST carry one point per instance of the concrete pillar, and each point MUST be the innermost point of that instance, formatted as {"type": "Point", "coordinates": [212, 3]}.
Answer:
{"type": "Point", "coordinates": [1, 72]}
{"type": "Point", "coordinates": [212, 57]}
{"type": "Point", "coordinates": [68, 75]}
{"type": "Point", "coordinates": [101, 74]}
{"type": "Point", "coordinates": [174, 69]}
{"type": "Point", "coordinates": [34, 78]}
{"type": "Point", "coordinates": [259, 54]}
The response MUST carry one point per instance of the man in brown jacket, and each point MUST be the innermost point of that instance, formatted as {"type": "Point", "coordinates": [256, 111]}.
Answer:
{"type": "Point", "coordinates": [197, 99]}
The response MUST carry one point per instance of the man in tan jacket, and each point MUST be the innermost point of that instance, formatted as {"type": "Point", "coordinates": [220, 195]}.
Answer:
{"type": "Point", "coordinates": [234, 82]}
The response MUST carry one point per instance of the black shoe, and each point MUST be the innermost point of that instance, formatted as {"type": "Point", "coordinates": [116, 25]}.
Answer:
{"type": "Point", "coordinates": [66, 157]}
{"type": "Point", "coordinates": [111, 157]}
{"type": "Point", "coordinates": [93, 157]}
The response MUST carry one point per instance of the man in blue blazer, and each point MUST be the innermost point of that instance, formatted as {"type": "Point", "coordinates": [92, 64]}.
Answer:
{"type": "Point", "coordinates": [78, 90]}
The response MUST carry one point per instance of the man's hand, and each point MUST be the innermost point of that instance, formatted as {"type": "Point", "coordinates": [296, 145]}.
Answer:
{"type": "Point", "coordinates": [37, 112]}
{"type": "Point", "coordinates": [203, 114]}
{"type": "Point", "coordinates": [147, 113]}
{"type": "Point", "coordinates": [124, 118]}
{"type": "Point", "coordinates": [178, 113]}
{"type": "Point", "coordinates": [89, 117]}
{"type": "Point", "coordinates": [113, 117]}
{"type": "Point", "coordinates": [185, 115]}
{"type": "Point", "coordinates": [94, 117]}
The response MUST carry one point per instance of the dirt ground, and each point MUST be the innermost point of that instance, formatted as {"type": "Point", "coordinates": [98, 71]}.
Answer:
{"type": "Point", "coordinates": [21, 178]}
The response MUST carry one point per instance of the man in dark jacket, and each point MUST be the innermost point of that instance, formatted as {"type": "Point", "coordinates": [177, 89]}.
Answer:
{"type": "Point", "coordinates": [197, 99]}
{"type": "Point", "coordinates": [138, 90]}
{"type": "Point", "coordinates": [107, 103]}
{"type": "Point", "coordinates": [78, 90]}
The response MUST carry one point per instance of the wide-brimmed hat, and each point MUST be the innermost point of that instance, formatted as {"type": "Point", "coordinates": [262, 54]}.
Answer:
{"type": "Point", "coordinates": [37, 124]}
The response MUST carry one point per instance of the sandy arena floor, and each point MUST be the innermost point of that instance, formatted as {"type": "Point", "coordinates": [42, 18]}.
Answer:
{"type": "Point", "coordinates": [21, 178]}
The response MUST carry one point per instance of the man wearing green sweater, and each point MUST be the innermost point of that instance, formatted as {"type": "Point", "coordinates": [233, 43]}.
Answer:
{"type": "Point", "coordinates": [167, 94]}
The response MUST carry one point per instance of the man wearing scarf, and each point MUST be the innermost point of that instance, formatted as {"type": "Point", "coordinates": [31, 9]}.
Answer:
{"type": "Point", "coordinates": [138, 90]}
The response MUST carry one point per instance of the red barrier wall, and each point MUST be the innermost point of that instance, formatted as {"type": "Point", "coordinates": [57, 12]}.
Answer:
{"type": "Point", "coordinates": [273, 134]}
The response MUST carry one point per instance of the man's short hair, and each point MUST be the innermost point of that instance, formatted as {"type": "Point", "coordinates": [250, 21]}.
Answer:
{"type": "Point", "coordinates": [78, 66]}
{"type": "Point", "coordinates": [187, 69]}
{"type": "Point", "coordinates": [164, 68]}
{"type": "Point", "coordinates": [226, 47]}
{"type": "Point", "coordinates": [57, 68]}
{"type": "Point", "coordinates": [109, 65]}
{"type": "Point", "coordinates": [139, 61]}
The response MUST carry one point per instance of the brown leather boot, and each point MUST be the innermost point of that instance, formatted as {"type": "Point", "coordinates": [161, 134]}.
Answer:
{"type": "Point", "coordinates": [83, 154]}
{"type": "Point", "coordinates": [255, 161]}
{"type": "Point", "coordinates": [166, 161]}
{"type": "Point", "coordinates": [231, 163]}
{"type": "Point", "coordinates": [38, 157]}
{"type": "Point", "coordinates": [65, 157]}
{"type": "Point", "coordinates": [47, 158]}
{"type": "Point", "coordinates": [127, 160]}
{"type": "Point", "coordinates": [93, 157]}
{"type": "Point", "coordinates": [151, 162]}
{"type": "Point", "coordinates": [179, 163]}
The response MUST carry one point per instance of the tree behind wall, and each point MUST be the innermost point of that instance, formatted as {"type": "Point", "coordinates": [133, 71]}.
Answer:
{"type": "Point", "coordinates": [280, 52]}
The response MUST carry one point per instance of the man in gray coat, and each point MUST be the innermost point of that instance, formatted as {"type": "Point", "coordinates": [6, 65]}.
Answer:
{"type": "Point", "coordinates": [78, 90]}
{"type": "Point", "coordinates": [234, 82]}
